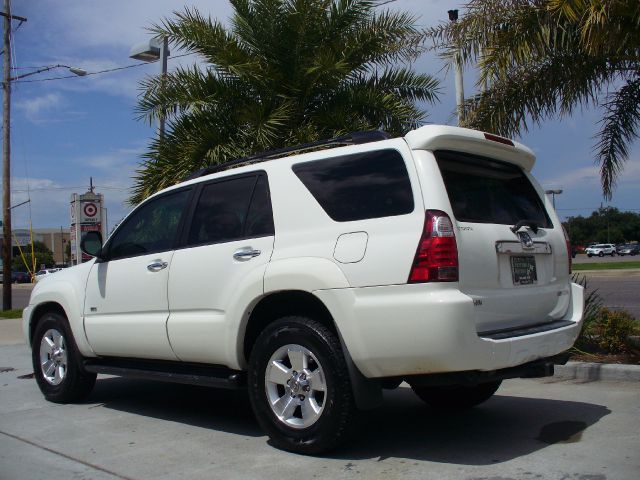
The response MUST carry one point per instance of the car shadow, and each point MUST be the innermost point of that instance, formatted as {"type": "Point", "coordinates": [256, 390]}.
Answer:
{"type": "Point", "coordinates": [503, 428]}
{"type": "Point", "coordinates": [211, 408]}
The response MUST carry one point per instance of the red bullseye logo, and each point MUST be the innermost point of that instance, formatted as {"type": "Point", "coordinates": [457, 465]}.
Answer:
{"type": "Point", "coordinates": [90, 209]}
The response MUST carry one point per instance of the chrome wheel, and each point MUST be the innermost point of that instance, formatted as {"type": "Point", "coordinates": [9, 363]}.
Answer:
{"type": "Point", "coordinates": [53, 357]}
{"type": "Point", "coordinates": [295, 386]}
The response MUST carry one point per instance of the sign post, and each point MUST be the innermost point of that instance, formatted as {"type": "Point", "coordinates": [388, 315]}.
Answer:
{"type": "Point", "coordinates": [87, 212]}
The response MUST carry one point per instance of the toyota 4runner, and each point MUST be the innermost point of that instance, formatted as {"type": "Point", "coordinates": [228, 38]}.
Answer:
{"type": "Point", "coordinates": [318, 275]}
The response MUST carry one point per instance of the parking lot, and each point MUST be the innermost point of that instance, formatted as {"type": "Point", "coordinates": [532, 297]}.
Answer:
{"type": "Point", "coordinates": [532, 429]}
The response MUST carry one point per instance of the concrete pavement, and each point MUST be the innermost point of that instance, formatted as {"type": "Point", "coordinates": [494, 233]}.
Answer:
{"type": "Point", "coordinates": [136, 430]}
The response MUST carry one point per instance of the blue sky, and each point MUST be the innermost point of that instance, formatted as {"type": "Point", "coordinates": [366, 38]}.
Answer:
{"type": "Point", "coordinates": [65, 131]}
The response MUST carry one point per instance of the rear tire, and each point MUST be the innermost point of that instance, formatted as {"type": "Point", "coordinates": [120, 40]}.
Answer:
{"type": "Point", "coordinates": [299, 386]}
{"type": "Point", "coordinates": [456, 397]}
{"type": "Point", "coordinates": [57, 362]}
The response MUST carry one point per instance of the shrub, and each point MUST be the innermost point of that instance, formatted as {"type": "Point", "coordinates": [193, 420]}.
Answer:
{"type": "Point", "coordinates": [603, 330]}
{"type": "Point", "coordinates": [612, 329]}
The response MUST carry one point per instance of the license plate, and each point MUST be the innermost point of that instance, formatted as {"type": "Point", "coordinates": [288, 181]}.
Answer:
{"type": "Point", "coordinates": [523, 269]}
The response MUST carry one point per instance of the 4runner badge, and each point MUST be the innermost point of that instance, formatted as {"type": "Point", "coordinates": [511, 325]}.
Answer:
{"type": "Point", "coordinates": [525, 239]}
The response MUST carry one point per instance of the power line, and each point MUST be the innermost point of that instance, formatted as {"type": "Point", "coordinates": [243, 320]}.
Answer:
{"type": "Point", "coordinates": [51, 189]}
{"type": "Point", "coordinates": [99, 72]}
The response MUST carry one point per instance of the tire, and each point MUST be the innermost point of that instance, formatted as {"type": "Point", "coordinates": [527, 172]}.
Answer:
{"type": "Point", "coordinates": [57, 362]}
{"type": "Point", "coordinates": [589, 255]}
{"type": "Point", "coordinates": [613, 254]}
{"type": "Point", "coordinates": [303, 410]}
{"type": "Point", "coordinates": [457, 397]}
{"type": "Point", "coordinates": [601, 254]}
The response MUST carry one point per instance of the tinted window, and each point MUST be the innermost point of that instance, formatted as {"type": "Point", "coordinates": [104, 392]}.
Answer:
{"type": "Point", "coordinates": [151, 228]}
{"type": "Point", "coordinates": [260, 218]}
{"type": "Point", "coordinates": [230, 210]}
{"type": "Point", "coordinates": [482, 190]}
{"type": "Point", "coordinates": [357, 187]}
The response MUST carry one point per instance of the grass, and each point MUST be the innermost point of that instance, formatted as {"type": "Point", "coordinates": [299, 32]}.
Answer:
{"type": "Point", "coordinates": [605, 266]}
{"type": "Point", "coordinates": [16, 313]}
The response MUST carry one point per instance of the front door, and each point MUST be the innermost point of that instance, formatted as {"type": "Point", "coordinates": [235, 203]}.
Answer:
{"type": "Point", "coordinates": [126, 304]}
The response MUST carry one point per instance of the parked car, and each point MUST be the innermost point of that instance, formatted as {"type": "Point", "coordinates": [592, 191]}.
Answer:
{"type": "Point", "coordinates": [631, 249]}
{"type": "Point", "coordinates": [20, 277]}
{"type": "Point", "coordinates": [316, 279]}
{"type": "Point", "coordinates": [40, 274]}
{"type": "Point", "coordinates": [601, 249]}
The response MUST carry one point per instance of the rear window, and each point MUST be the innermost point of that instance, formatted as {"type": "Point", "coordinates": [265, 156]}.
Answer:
{"type": "Point", "coordinates": [483, 190]}
{"type": "Point", "coordinates": [360, 186]}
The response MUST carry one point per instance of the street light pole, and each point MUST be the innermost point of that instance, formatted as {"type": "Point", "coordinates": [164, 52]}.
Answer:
{"type": "Point", "coordinates": [6, 148]}
{"type": "Point", "coordinates": [457, 65]}
{"type": "Point", "coordinates": [553, 194]}
{"type": "Point", "coordinates": [152, 51]}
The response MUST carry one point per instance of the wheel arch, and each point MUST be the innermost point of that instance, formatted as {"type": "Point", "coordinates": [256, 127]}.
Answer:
{"type": "Point", "coordinates": [367, 392]}
{"type": "Point", "coordinates": [39, 312]}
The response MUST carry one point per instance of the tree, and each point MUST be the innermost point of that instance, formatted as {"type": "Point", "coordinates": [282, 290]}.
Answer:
{"type": "Point", "coordinates": [284, 72]}
{"type": "Point", "coordinates": [545, 58]}
{"type": "Point", "coordinates": [605, 225]}
{"type": "Point", "coordinates": [42, 253]}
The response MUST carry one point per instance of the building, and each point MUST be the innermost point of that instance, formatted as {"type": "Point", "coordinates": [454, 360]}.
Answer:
{"type": "Point", "coordinates": [55, 239]}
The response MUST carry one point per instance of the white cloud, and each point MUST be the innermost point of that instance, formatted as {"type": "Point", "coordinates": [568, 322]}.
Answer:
{"type": "Point", "coordinates": [35, 109]}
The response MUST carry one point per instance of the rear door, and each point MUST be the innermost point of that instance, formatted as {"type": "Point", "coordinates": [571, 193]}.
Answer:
{"type": "Point", "coordinates": [220, 268]}
{"type": "Point", "coordinates": [516, 276]}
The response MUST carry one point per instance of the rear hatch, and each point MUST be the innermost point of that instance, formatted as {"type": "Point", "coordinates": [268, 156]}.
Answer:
{"type": "Point", "coordinates": [512, 258]}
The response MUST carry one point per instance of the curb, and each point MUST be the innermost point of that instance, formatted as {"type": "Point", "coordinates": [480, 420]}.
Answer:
{"type": "Point", "coordinates": [593, 372]}
{"type": "Point", "coordinates": [622, 272]}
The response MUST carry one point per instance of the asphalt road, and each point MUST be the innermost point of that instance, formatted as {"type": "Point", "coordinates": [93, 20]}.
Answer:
{"type": "Point", "coordinates": [617, 292]}
{"type": "Point", "coordinates": [531, 430]}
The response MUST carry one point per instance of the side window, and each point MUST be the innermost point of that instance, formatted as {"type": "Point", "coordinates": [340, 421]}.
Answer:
{"type": "Point", "coordinates": [151, 228]}
{"type": "Point", "coordinates": [361, 186]}
{"type": "Point", "coordinates": [260, 218]}
{"type": "Point", "coordinates": [232, 209]}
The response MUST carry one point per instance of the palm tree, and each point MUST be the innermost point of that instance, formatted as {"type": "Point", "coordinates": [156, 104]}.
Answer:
{"type": "Point", "coordinates": [284, 72]}
{"type": "Point", "coordinates": [545, 58]}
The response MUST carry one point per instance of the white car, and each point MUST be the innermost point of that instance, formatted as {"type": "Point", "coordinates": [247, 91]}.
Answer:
{"type": "Point", "coordinates": [601, 249]}
{"type": "Point", "coordinates": [315, 279]}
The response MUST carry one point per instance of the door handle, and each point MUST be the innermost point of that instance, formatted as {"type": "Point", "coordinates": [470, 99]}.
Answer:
{"type": "Point", "coordinates": [157, 266]}
{"type": "Point", "coordinates": [246, 253]}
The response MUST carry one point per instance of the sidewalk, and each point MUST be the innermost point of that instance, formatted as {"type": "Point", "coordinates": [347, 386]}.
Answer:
{"type": "Point", "coordinates": [11, 331]}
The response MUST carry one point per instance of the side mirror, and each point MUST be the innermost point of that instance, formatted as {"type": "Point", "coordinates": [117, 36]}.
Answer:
{"type": "Point", "coordinates": [91, 244]}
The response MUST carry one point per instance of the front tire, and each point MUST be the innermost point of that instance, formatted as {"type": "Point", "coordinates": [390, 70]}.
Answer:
{"type": "Point", "coordinates": [299, 386]}
{"type": "Point", "coordinates": [601, 254]}
{"type": "Point", "coordinates": [56, 361]}
{"type": "Point", "coordinates": [457, 397]}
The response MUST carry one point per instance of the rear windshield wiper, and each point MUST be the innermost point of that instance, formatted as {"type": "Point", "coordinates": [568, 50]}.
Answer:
{"type": "Point", "coordinates": [525, 223]}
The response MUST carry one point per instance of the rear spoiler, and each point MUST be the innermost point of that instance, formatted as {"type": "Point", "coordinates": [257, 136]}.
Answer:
{"type": "Point", "coordinates": [441, 137]}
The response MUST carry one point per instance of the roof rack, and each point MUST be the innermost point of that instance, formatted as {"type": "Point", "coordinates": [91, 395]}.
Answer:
{"type": "Point", "coordinates": [353, 138]}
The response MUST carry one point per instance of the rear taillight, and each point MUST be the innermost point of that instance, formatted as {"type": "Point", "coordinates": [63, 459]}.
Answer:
{"type": "Point", "coordinates": [436, 259]}
{"type": "Point", "coordinates": [566, 238]}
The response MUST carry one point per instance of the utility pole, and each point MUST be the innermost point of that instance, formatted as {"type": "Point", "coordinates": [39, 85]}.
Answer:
{"type": "Point", "coordinates": [6, 157]}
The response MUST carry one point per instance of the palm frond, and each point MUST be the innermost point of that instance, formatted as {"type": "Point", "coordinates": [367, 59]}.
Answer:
{"type": "Point", "coordinates": [619, 128]}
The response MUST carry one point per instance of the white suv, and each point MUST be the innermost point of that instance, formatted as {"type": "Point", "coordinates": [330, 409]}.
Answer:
{"type": "Point", "coordinates": [600, 249]}
{"type": "Point", "coordinates": [316, 279]}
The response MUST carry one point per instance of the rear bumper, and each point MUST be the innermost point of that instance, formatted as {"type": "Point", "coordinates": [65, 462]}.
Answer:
{"type": "Point", "coordinates": [402, 330]}
{"type": "Point", "coordinates": [543, 367]}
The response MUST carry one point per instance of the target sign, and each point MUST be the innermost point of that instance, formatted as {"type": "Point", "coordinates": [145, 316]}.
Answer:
{"type": "Point", "coordinates": [90, 209]}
